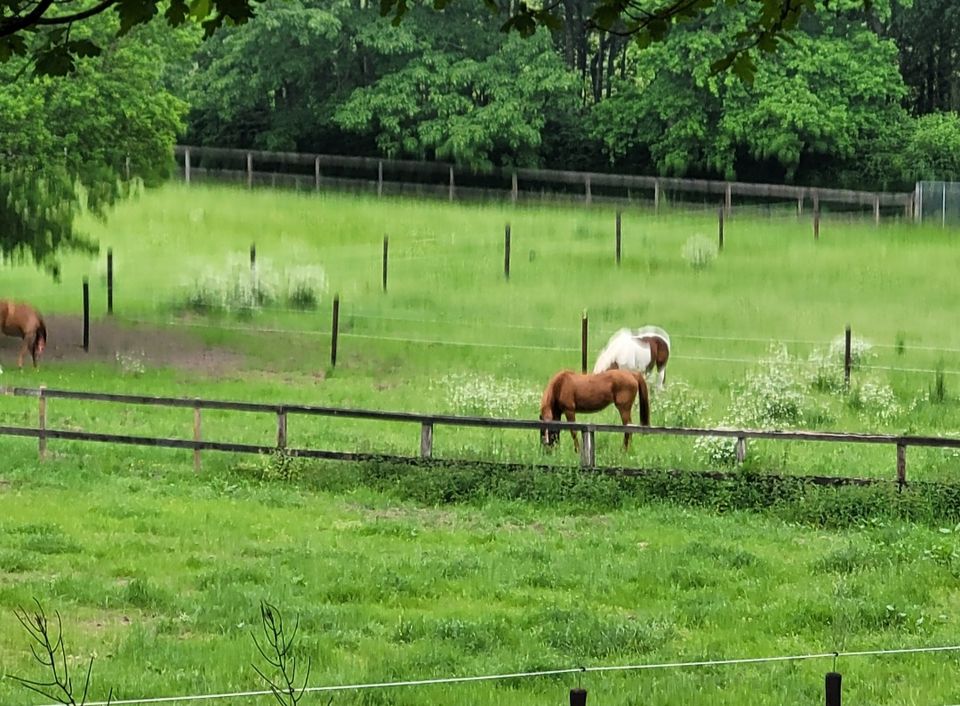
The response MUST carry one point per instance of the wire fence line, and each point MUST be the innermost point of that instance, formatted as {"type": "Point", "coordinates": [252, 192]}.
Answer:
{"type": "Point", "coordinates": [507, 346]}
{"type": "Point", "coordinates": [737, 661]}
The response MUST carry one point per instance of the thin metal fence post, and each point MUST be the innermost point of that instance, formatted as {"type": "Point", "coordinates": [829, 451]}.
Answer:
{"type": "Point", "coordinates": [42, 422]}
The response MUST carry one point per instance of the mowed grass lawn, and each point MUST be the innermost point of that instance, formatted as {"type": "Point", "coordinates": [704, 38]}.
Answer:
{"type": "Point", "coordinates": [158, 572]}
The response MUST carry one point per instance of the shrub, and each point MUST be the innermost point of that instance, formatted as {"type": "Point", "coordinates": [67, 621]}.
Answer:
{"type": "Point", "coordinates": [699, 252]}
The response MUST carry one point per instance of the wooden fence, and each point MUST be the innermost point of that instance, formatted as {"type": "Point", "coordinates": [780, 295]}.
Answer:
{"type": "Point", "coordinates": [318, 171]}
{"type": "Point", "coordinates": [427, 423]}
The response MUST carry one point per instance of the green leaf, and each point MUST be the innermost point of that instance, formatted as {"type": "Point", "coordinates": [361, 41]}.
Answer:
{"type": "Point", "coordinates": [83, 47]}
{"type": "Point", "coordinates": [55, 61]}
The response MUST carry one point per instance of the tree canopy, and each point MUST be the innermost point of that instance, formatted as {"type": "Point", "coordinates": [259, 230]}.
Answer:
{"type": "Point", "coordinates": [855, 93]}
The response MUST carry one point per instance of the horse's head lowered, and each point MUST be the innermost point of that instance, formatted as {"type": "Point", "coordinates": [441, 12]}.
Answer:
{"type": "Point", "coordinates": [548, 437]}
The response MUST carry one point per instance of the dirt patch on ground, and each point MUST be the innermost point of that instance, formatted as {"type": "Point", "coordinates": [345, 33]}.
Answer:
{"type": "Point", "coordinates": [124, 344]}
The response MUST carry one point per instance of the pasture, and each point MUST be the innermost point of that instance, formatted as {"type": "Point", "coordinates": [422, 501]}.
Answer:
{"type": "Point", "coordinates": [158, 572]}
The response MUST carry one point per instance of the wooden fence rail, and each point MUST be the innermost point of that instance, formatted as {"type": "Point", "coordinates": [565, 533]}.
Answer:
{"type": "Point", "coordinates": [427, 423]}
{"type": "Point", "coordinates": [442, 176]}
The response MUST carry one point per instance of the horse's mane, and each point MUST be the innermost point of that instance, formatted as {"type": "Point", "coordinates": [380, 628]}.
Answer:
{"type": "Point", "coordinates": [612, 350]}
{"type": "Point", "coordinates": [549, 399]}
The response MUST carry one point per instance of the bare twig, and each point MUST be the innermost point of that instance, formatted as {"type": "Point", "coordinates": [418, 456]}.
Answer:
{"type": "Point", "coordinates": [278, 651]}
{"type": "Point", "coordinates": [51, 653]}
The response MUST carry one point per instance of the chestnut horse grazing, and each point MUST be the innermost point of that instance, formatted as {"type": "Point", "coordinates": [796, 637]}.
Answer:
{"type": "Point", "coordinates": [22, 320]}
{"type": "Point", "coordinates": [637, 350]}
{"type": "Point", "coordinates": [568, 393]}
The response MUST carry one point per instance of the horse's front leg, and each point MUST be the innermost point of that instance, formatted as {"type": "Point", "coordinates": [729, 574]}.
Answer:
{"type": "Point", "coordinates": [23, 352]}
{"type": "Point", "coordinates": [572, 417]}
{"type": "Point", "coordinates": [625, 418]}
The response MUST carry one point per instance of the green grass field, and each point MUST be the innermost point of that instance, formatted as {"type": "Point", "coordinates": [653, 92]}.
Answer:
{"type": "Point", "coordinates": [159, 572]}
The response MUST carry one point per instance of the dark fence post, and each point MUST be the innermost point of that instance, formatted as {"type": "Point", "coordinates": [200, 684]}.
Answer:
{"type": "Point", "coordinates": [506, 251]}
{"type": "Point", "coordinates": [385, 248]}
{"type": "Point", "coordinates": [42, 422]}
{"type": "Point", "coordinates": [578, 697]}
{"type": "Point", "coordinates": [451, 184]}
{"type": "Point", "coordinates": [86, 314]}
{"type": "Point", "coordinates": [249, 170]}
{"type": "Point", "coordinates": [720, 225]}
{"type": "Point", "coordinates": [253, 257]}
{"type": "Point", "coordinates": [832, 689]}
{"type": "Point", "coordinates": [618, 236]}
{"type": "Point", "coordinates": [380, 178]}
{"type": "Point", "coordinates": [846, 357]}
{"type": "Point", "coordinates": [335, 331]}
{"type": "Point", "coordinates": [196, 435]}
{"type": "Point", "coordinates": [186, 165]}
{"type": "Point", "coordinates": [816, 216]}
{"type": "Point", "coordinates": [110, 281]}
{"type": "Point", "coordinates": [901, 466]}
{"type": "Point", "coordinates": [583, 342]}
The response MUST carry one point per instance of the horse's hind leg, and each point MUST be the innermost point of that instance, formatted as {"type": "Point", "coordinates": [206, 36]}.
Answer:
{"type": "Point", "coordinates": [662, 381]}
{"type": "Point", "coordinates": [23, 352]}
{"type": "Point", "coordinates": [572, 417]}
{"type": "Point", "coordinates": [625, 418]}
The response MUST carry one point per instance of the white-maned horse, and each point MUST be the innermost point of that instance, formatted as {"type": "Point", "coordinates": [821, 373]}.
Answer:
{"type": "Point", "coordinates": [641, 350]}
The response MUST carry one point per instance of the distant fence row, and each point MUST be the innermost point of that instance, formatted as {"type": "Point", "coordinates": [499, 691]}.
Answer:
{"type": "Point", "coordinates": [436, 179]}
{"type": "Point", "coordinates": [427, 423]}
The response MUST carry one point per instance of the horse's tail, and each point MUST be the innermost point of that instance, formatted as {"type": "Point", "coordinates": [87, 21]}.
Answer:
{"type": "Point", "coordinates": [39, 334]}
{"type": "Point", "coordinates": [643, 401]}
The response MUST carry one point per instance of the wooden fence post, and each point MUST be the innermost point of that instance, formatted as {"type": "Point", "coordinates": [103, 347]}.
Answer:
{"type": "Point", "coordinates": [506, 251]}
{"type": "Point", "coordinates": [578, 697]}
{"type": "Point", "coordinates": [451, 184]}
{"type": "Point", "coordinates": [126, 167]}
{"type": "Point", "coordinates": [583, 342]}
{"type": "Point", "coordinates": [335, 331]}
{"type": "Point", "coordinates": [656, 196]}
{"type": "Point", "coordinates": [832, 689]}
{"type": "Point", "coordinates": [86, 314]}
{"type": "Point", "coordinates": [316, 173]}
{"type": "Point", "coordinates": [249, 170]}
{"type": "Point", "coordinates": [876, 210]}
{"type": "Point", "coordinates": [253, 258]}
{"type": "Point", "coordinates": [281, 429]}
{"type": "Point", "coordinates": [586, 182]}
{"type": "Point", "coordinates": [588, 450]}
{"type": "Point", "coordinates": [846, 357]}
{"type": "Point", "coordinates": [729, 199]}
{"type": "Point", "coordinates": [380, 178]}
{"type": "Point", "coordinates": [514, 191]}
{"type": "Point", "coordinates": [196, 435]}
{"type": "Point", "coordinates": [720, 225]}
{"type": "Point", "coordinates": [618, 236]}
{"type": "Point", "coordinates": [816, 216]}
{"type": "Point", "coordinates": [110, 281]}
{"type": "Point", "coordinates": [741, 449]}
{"type": "Point", "coordinates": [426, 440]}
{"type": "Point", "coordinates": [386, 245]}
{"type": "Point", "coordinates": [42, 422]}
{"type": "Point", "coordinates": [901, 466]}
{"type": "Point", "coordinates": [800, 205]}
{"type": "Point", "coordinates": [186, 165]}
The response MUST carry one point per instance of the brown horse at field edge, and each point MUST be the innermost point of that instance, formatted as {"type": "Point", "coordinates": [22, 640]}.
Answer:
{"type": "Point", "coordinates": [568, 393]}
{"type": "Point", "coordinates": [23, 321]}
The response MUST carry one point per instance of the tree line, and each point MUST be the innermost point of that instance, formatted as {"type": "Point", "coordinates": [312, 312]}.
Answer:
{"type": "Point", "coordinates": [844, 93]}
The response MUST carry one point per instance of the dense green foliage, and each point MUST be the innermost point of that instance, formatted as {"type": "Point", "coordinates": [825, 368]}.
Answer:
{"type": "Point", "coordinates": [71, 142]}
{"type": "Point", "coordinates": [838, 92]}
